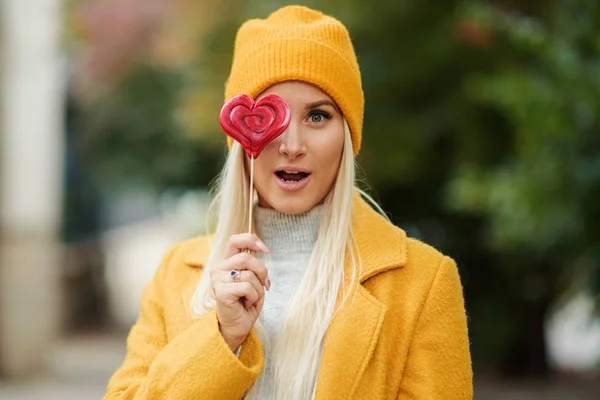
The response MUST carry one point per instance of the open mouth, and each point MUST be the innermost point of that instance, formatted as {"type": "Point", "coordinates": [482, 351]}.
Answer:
{"type": "Point", "coordinates": [292, 176]}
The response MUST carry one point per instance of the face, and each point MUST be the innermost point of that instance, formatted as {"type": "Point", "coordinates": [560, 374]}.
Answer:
{"type": "Point", "coordinates": [297, 170]}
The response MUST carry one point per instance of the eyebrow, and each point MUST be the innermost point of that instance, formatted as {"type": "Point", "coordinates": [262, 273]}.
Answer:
{"type": "Point", "coordinates": [324, 102]}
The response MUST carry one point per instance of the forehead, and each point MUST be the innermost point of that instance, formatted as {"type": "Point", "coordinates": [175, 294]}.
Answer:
{"type": "Point", "coordinates": [296, 92]}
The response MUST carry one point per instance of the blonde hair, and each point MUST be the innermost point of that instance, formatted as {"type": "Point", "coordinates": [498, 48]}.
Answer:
{"type": "Point", "coordinates": [296, 353]}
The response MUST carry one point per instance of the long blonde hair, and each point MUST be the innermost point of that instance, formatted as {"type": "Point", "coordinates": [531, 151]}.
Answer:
{"type": "Point", "coordinates": [296, 353]}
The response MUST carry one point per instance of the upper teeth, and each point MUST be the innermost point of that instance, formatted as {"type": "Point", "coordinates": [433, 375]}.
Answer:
{"type": "Point", "coordinates": [291, 172]}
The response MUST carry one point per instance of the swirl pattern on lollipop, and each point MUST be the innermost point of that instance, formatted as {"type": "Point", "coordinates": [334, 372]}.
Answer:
{"type": "Point", "coordinates": [254, 124]}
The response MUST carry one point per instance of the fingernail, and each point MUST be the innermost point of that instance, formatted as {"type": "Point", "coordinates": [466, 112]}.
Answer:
{"type": "Point", "coordinates": [262, 246]}
{"type": "Point", "coordinates": [268, 284]}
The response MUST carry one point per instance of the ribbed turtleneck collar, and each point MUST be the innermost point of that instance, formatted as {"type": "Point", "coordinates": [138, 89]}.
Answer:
{"type": "Point", "coordinates": [287, 233]}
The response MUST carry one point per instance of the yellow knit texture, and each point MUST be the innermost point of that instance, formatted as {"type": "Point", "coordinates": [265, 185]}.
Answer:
{"type": "Point", "coordinates": [298, 43]}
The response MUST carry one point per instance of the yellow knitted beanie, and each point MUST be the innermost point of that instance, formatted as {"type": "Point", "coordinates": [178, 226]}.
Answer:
{"type": "Point", "coordinates": [297, 43]}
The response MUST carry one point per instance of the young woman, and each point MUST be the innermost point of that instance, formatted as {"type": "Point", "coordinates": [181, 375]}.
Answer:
{"type": "Point", "coordinates": [331, 301]}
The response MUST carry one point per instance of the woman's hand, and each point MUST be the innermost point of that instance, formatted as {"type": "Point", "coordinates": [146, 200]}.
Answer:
{"type": "Point", "coordinates": [239, 303]}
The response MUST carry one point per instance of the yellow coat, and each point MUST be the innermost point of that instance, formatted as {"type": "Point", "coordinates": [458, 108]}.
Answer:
{"type": "Point", "coordinates": [403, 336]}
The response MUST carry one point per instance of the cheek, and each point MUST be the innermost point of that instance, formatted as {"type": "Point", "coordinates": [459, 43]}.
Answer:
{"type": "Point", "coordinates": [262, 172]}
{"type": "Point", "coordinates": [331, 156]}
{"type": "Point", "coordinates": [263, 165]}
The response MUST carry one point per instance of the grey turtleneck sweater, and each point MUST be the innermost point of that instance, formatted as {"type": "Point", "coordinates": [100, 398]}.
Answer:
{"type": "Point", "coordinates": [290, 239]}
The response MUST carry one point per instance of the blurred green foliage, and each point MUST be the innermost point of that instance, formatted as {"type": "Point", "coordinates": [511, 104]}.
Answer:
{"type": "Point", "coordinates": [130, 135]}
{"type": "Point", "coordinates": [481, 137]}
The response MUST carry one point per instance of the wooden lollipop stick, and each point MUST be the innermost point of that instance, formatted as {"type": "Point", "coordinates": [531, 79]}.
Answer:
{"type": "Point", "coordinates": [250, 202]}
{"type": "Point", "coordinates": [254, 135]}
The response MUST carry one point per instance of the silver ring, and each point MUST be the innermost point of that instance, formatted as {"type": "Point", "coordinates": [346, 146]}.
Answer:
{"type": "Point", "coordinates": [235, 275]}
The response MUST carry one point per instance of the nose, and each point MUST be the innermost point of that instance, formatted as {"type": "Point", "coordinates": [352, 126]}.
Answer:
{"type": "Point", "coordinates": [291, 142]}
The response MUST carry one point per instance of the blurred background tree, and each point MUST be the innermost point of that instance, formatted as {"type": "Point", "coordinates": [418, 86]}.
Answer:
{"type": "Point", "coordinates": [480, 137]}
{"type": "Point", "coordinates": [541, 202]}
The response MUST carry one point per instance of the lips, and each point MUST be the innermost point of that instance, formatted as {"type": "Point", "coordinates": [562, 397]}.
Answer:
{"type": "Point", "coordinates": [292, 179]}
{"type": "Point", "coordinates": [291, 175]}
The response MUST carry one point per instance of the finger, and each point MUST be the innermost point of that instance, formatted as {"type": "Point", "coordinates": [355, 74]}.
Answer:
{"type": "Point", "coordinates": [231, 293]}
{"type": "Point", "coordinates": [243, 241]}
{"type": "Point", "coordinates": [250, 277]}
{"type": "Point", "coordinates": [245, 276]}
{"type": "Point", "coordinates": [259, 304]}
{"type": "Point", "coordinates": [245, 261]}
{"type": "Point", "coordinates": [256, 309]}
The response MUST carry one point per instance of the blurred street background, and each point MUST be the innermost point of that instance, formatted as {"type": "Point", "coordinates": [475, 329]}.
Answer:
{"type": "Point", "coordinates": [481, 137]}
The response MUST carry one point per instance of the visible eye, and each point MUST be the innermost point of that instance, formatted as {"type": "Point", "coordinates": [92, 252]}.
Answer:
{"type": "Point", "coordinates": [316, 116]}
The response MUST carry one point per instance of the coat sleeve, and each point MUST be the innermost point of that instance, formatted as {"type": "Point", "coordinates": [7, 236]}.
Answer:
{"type": "Point", "coordinates": [196, 364]}
{"type": "Point", "coordinates": [438, 366]}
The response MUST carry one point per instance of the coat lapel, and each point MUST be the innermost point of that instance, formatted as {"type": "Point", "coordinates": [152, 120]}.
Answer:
{"type": "Point", "coordinates": [349, 345]}
{"type": "Point", "coordinates": [353, 333]}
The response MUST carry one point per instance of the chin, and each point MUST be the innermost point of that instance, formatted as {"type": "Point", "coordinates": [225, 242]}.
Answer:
{"type": "Point", "coordinates": [291, 204]}
{"type": "Point", "coordinates": [293, 207]}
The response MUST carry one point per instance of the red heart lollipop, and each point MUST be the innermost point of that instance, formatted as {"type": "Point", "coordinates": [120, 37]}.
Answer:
{"type": "Point", "coordinates": [255, 124]}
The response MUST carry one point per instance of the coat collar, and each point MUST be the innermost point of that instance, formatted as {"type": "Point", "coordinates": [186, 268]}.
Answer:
{"type": "Point", "coordinates": [381, 245]}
